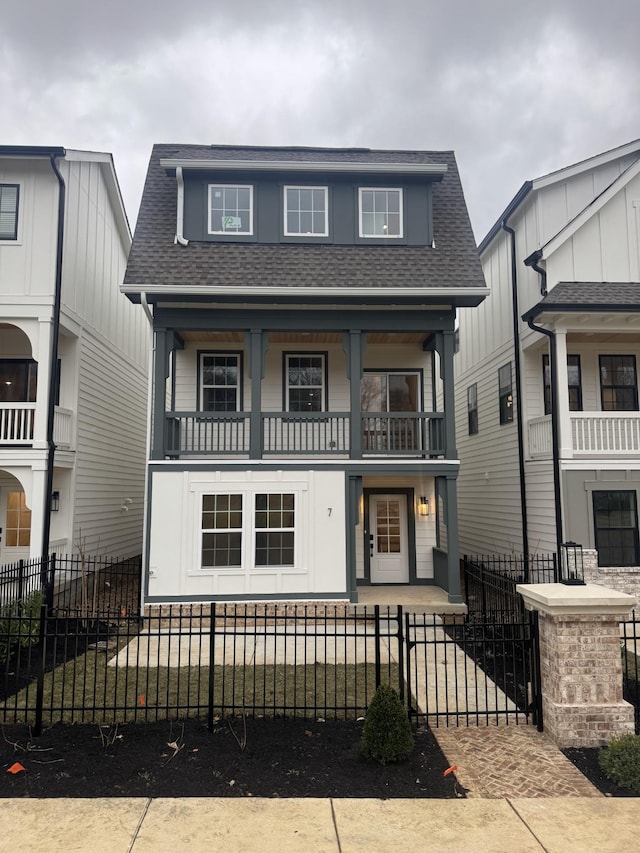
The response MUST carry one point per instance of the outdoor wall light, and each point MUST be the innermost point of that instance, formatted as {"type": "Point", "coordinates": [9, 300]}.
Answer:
{"type": "Point", "coordinates": [423, 506]}
{"type": "Point", "coordinates": [55, 501]}
{"type": "Point", "coordinates": [571, 566]}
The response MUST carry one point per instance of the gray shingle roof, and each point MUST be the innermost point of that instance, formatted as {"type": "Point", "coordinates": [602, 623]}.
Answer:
{"type": "Point", "coordinates": [598, 296]}
{"type": "Point", "coordinates": [156, 260]}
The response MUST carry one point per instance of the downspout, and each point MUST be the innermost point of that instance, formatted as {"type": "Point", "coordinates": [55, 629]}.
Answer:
{"type": "Point", "coordinates": [145, 506]}
{"type": "Point", "coordinates": [519, 425]}
{"type": "Point", "coordinates": [532, 261]}
{"type": "Point", "coordinates": [53, 365]}
{"type": "Point", "coordinates": [179, 238]}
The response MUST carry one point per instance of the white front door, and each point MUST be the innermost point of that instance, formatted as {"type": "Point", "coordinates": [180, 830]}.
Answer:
{"type": "Point", "coordinates": [15, 521]}
{"type": "Point", "coordinates": [388, 540]}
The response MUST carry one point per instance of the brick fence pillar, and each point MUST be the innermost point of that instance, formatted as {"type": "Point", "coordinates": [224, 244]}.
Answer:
{"type": "Point", "coordinates": [580, 661]}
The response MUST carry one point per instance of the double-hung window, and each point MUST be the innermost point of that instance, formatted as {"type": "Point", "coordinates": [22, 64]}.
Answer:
{"type": "Point", "coordinates": [618, 383]}
{"type": "Point", "coordinates": [306, 212]}
{"type": "Point", "coordinates": [9, 196]}
{"type": "Point", "coordinates": [615, 515]}
{"type": "Point", "coordinates": [220, 382]}
{"type": "Point", "coordinates": [505, 394]}
{"type": "Point", "coordinates": [274, 530]}
{"type": "Point", "coordinates": [472, 408]}
{"type": "Point", "coordinates": [574, 382]}
{"type": "Point", "coordinates": [380, 212]}
{"type": "Point", "coordinates": [221, 531]}
{"type": "Point", "coordinates": [231, 209]}
{"type": "Point", "coordinates": [305, 382]}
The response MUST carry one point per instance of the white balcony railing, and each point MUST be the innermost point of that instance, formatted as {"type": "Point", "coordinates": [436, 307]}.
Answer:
{"type": "Point", "coordinates": [16, 423]}
{"type": "Point", "coordinates": [62, 427]}
{"type": "Point", "coordinates": [605, 432]}
{"type": "Point", "coordinates": [540, 437]}
{"type": "Point", "coordinates": [592, 434]}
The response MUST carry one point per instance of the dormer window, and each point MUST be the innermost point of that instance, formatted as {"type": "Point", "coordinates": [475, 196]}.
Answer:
{"type": "Point", "coordinates": [380, 212]}
{"type": "Point", "coordinates": [306, 211]}
{"type": "Point", "coordinates": [230, 209]}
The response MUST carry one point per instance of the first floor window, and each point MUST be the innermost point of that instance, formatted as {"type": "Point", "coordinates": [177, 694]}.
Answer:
{"type": "Point", "coordinates": [505, 394]}
{"type": "Point", "coordinates": [18, 381]}
{"type": "Point", "coordinates": [574, 382]}
{"type": "Point", "coordinates": [305, 211]}
{"type": "Point", "coordinates": [9, 211]}
{"type": "Point", "coordinates": [240, 530]}
{"type": "Point", "coordinates": [230, 209]}
{"type": "Point", "coordinates": [380, 212]}
{"type": "Point", "coordinates": [305, 382]}
{"type": "Point", "coordinates": [220, 382]}
{"type": "Point", "coordinates": [615, 516]}
{"type": "Point", "coordinates": [275, 523]}
{"type": "Point", "coordinates": [472, 408]}
{"type": "Point", "coordinates": [618, 383]}
{"type": "Point", "coordinates": [221, 531]}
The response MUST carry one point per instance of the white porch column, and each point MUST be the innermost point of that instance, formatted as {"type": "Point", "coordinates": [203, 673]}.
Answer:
{"type": "Point", "coordinates": [565, 439]}
{"type": "Point", "coordinates": [43, 357]}
{"type": "Point", "coordinates": [37, 504]}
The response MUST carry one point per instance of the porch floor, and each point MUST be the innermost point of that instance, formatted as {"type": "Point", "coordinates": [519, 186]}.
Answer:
{"type": "Point", "coordinates": [415, 599]}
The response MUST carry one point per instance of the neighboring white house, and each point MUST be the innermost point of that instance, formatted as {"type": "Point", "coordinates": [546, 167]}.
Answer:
{"type": "Point", "coordinates": [303, 307]}
{"type": "Point", "coordinates": [566, 281]}
{"type": "Point", "coordinates": [73, 359]}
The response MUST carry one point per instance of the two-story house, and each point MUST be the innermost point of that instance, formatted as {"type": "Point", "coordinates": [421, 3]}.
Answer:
{"type": "Point", "coordinates": [73, 360]}
{"type": "Point", "coordinates": [303, 304]}
{"type": "Point", "coordinates": [547, 393]}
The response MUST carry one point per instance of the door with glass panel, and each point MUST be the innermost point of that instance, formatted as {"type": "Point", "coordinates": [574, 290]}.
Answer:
{"type": "Point", "coordinates": [15, 518]}
{"type": "Point", "coordinates": [388, 539]}
{"type": "Point", "coordinates": [390, 402]}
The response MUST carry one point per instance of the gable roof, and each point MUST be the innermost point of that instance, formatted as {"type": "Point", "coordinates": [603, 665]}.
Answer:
{"type": "Point", "coordinates": [157, 265]}
{"type": "Point", "coordinates": [630, 148]}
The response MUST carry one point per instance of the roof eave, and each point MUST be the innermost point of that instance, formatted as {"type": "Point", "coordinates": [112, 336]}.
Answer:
{"type": "Point", "coordinates": [433, 170]}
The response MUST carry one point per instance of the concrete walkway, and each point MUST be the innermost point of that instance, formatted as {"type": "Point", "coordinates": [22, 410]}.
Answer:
{"type": "Point", "coordinates": [140, 825]}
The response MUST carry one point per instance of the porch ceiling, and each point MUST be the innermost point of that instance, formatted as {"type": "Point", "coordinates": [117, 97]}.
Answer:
{"type": "Point", "coordinates": [311, 337]}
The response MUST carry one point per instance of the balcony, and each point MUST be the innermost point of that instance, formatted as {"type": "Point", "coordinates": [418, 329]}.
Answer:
{"type": "Point", "coordinates": [592, 434]}
{"type": "Point", "coordinates": [17, 425]}
{"type": "Point", "coordinates": [406, 434]}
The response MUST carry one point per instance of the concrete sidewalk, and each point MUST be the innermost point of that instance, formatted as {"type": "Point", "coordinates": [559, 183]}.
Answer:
{"type": "Point", "coordinates": [318, 825]}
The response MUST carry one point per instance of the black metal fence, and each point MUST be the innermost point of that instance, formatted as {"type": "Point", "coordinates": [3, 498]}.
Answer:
{"type": "Point", "coordinates": [73, 582]}
{"type": "Point", "coordinates": [185, 661]}
{"type": "Point", "coordinates": [630, 638]}
{"type": "Point", "coordinates": [490, 583]}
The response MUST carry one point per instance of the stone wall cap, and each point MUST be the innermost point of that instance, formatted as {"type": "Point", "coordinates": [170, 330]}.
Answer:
{"type": "Point", "coordinates": [558, 598]}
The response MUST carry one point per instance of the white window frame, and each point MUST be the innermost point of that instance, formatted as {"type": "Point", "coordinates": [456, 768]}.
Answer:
{"type": "Point", "coordinates": [212, 188]}
{"type": "Point", "coordinates": [237, 386]}
{"type": "Point", "coordinates": [323, 358]}
{"type": "Point", "coordinates": [325, 191]}
{"type": "Point", "coordinates": [400, 192]}
{"type": "Point", "coordinates": [249, 529]}
{"type": "Point", "coordinates": [12, 241]}
{"type": "Point", "coordinates": [226, 530]}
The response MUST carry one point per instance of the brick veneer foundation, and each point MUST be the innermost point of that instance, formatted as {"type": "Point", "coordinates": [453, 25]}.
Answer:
{"type": "Point", "coordinates": [580, 665]}
{"type": "Point", "coordinates": [623, 578]}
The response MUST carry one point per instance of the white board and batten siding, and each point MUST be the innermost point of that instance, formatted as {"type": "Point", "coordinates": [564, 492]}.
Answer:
{"type": "Point", "coordinates": [176, 538]}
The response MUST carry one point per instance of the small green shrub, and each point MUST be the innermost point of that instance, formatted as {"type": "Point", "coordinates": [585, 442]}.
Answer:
{"type": "Point", "coordinates": [387, 734]}
{"type": "Point", "coordinates": [620, 760]}
{"type": "Point", "coordinates": [19, 624]}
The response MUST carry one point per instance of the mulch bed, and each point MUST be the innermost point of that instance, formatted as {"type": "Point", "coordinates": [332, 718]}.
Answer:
{"type": "Point", "coordinates": [586, 760]}
{"type": "Point", "coordinates": [271, 758]}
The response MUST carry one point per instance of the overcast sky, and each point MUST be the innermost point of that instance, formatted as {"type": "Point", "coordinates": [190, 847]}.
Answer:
{"type": "Point", "coordinates": [516, 89]}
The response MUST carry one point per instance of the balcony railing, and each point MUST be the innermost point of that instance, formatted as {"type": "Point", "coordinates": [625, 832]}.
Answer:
{"type": "Point", "coordinates": [303, 434]}
{"type": "Point", "coordinates": [62, 427]}
{"type": "Point", "coordinates": [605, 432]}
{"type": "Point", "coordinates": [592, 434]}
{"type": "Point", "coordinates": [16, 423]}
